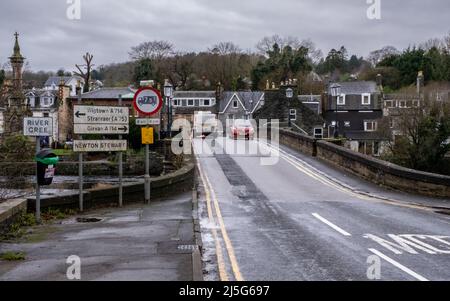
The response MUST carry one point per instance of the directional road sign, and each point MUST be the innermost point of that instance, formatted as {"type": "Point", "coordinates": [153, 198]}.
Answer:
{"type": "Point", "coordinates": [99, 145]}
{"type": "Point", "coordinates": [101, 129]}
{"type": "Point", "coordinates": [100, 115]}
{"type": "Point", "coordinates": [38, 126]}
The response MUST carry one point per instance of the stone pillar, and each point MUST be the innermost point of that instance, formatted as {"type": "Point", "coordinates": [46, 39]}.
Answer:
{"type": "Point", "coordinates": [64, 113]}
{"type": "Point", "coordinates": [17, 108]}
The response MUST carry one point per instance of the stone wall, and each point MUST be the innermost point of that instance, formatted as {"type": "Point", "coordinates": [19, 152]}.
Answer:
{"type": "Point", "coordinates": [377, 171]}
{"type": "Point", "coordinates": [89, 168]}
{"type": "Point", "coordinates": [302, 143]}
{"type": "Point", "coordinates": [9, 211]}
{"type": "Point", "coordinates": [170, 184]}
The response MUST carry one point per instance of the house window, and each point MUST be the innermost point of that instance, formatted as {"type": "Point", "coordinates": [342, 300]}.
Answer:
{"type": "Point", "coordinates": [347, 124]}
{"type": "Point", "coordinates": [341, 100]}
{"type": "Point", "coordinates": [389, 104]}
{"type": "Point", "coordinates": [402, 104]}
{"type": "Point", "coordinates": [370, 126]}
{"type": "Point", "coordinates": [235, 103]}
{"type": "Point", "coordinates": [177, 102]}
{"type": "Point", "coordinates": [45, 102]}
{"type": "Point", "coordinates": [376, 148]}
{"type": "Point", "coordinates": [1, 123]}
{"type": "Point", "coordinates": [318, 133]}
{"type": "Point", "coordinates": [416, 103]}
{"type": "Point", "coordinates": [205, 102]}
{"type": "Point", "coordinates": [366, 99]}
{"type": "Point", "coordinates": [293, 114]}
{"type": "Point", "coordinates": [190, 102]}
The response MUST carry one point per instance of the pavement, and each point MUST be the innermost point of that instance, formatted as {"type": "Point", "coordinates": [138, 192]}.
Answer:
{"type": "Point", "coordinates": [301, 219]}
{"type": "Point", "coordinates": [136, 242]}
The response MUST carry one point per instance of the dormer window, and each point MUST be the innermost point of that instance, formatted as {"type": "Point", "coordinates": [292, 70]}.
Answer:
{"type": "Point", "coordinates": [47, 101]}
{"type": "Point", "coordinates": [235, 103]}
{"type": "Point", "coordinates": [341, 100]}
{"type": "Point", "coordinates": [365, 99]}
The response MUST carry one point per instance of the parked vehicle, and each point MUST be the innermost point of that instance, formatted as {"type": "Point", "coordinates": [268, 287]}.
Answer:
{"type": "Point", "coordinates": [242, 128]}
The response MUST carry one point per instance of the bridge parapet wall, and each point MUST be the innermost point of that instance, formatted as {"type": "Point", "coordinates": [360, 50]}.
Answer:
{"type": "Point", "coordinates": [377, 171]}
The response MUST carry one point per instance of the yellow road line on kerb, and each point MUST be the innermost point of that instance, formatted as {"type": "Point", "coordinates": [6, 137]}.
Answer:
{"type": "Point", "coordinates": [220, 261]}
{"type": "Point", "coordinates": [228, 244]}
{"type": "Point", "coordinates": [317, 176]}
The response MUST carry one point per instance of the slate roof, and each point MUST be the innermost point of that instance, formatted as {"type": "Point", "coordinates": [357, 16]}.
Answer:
{"type": "Point", "coordinates": [38, 93]}
{"type": "Point", "coordinates": [194, 94]}
{"type": "Point", "coordinates": [108, 93]}
{"type": "Point", "coordinates": [248, 99]}
{"type": "Point", "coordinates": [357, 87]}
{"type": "Point", "coordinates": [310, 98]}
{"type": "Point", "coordinates": [54, 80]}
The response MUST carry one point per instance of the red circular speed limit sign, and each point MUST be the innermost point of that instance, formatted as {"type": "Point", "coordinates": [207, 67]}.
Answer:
{"type": "Point", "coordinates": [147, 101]}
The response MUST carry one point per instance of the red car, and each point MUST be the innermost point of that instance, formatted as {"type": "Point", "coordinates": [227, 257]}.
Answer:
{"type": "Point", "coordinates": [242, 129]}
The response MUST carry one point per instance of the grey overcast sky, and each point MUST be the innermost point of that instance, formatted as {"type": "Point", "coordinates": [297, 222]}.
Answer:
{"type": "Point", "coordinates": [108, 28]}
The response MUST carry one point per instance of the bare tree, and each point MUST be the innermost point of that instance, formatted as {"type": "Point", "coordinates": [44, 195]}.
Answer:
{"type": "Point", "coordinates": [85, 70]}
{"type": "Point", "coordinates": [377, 56]}
{"type": "Point", "coordinates": [314, 53]}
{"type": "Point", "coordinates": [155, 50]}
{"type": "Point", "coordinates": [447, 42]}
{"type": "Point", "coordinates": [266, 43]}
{"type": "Point", "coordinates": [182, 68]}
{"type": "Point", "coordinates": [432, 43]}
{"type": "Point", "coordinates": [225, 48]}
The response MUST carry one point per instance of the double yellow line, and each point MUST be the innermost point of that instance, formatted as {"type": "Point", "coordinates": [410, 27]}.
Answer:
{"type": "Point", "coordinates": [211, 200]}
{"type": "Point", "coordinates": [317, 176]}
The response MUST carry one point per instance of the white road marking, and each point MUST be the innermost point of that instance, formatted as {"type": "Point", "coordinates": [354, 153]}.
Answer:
{"type": "Point", "coordinates": [398, 265]}
{"type": "Point", "coordinates": [338, 229]}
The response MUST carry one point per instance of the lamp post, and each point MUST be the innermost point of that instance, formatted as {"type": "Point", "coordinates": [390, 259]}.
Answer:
{"type": "Point", "coordinates": [289, 95]}
{"type": "Point", "coordinates": [168, 93]}
{"type": "Point", "coordinates": [336, 92]}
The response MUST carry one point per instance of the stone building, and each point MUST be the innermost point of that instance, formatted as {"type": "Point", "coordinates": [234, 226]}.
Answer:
{"type": "Point", "coordinates": [239, 105]}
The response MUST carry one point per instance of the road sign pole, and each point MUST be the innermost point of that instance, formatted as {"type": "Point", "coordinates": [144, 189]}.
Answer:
{"type": "Point", "coordinates": [147, 101]}
{"type": "Point", "coordinates": [80, 165]}
{"type": "Point", "coordinates": [147, 174]}
{"type": "Point", "coordinates": [38, 187]}
{"type": "Point", "coordinates": [120, 167]}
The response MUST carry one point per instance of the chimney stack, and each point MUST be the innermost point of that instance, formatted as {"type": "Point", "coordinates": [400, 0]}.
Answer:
{"type": "Point", "coordinates": [420, 82]}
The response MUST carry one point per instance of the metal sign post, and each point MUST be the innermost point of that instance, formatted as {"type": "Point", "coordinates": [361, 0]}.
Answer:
{"type": "Point", "coordinates": [80, 166]}
{"type": "Point", "coordinates": [38, 187]}
{"type": "Point", "coordinates": [106, 120]}
{"type": "Point", "coordinates": [120, 167]}
{"type": "Point", "coordinates": [147, 134]}
{"type": "Point", "coordinates": [147, 174]}
{"type": "Point", "coordinates": [147, 101]}
{"type": "Point", "coordinates": [38, 127]}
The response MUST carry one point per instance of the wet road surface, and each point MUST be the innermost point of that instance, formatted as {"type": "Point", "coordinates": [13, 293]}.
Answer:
{"type": "Point", "coordinates": [274, 214]}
